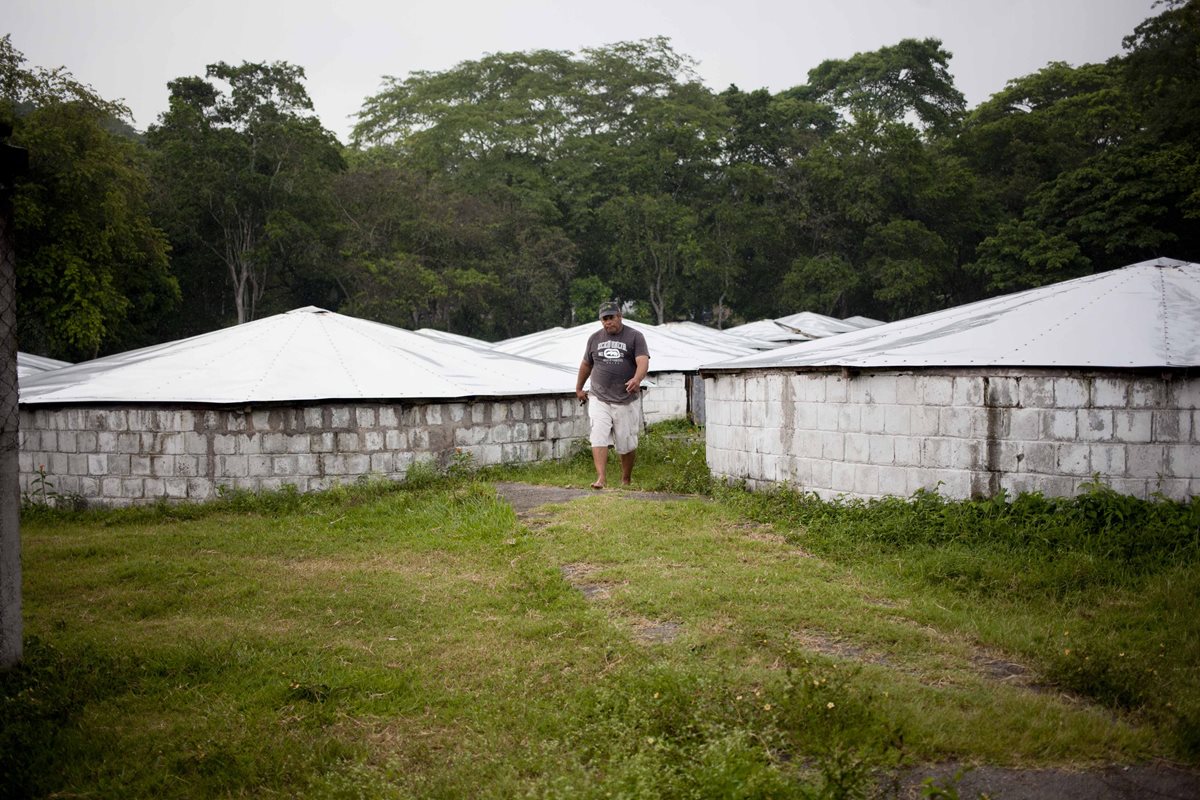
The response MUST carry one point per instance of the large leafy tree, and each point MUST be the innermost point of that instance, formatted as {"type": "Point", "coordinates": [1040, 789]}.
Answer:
{"type": "Point", "coordinates": [1094, 166]}
{"type": "Point", "coordinates": [420, 253]}
{"type": "Point", "coordinates": [886, 215]}
{"type": "Point", "coordinates": [756, 217]}
{"type": "Point", "coordinates": [655, 243]}
{"type": "Point", "coordinates": [908, 79]}
{"type": "Point", "coordinates": [560, 136]}
{"type": "Point", "coordinates": [92, 272]}
{"type": "Point", "coordinates": [245, 176]}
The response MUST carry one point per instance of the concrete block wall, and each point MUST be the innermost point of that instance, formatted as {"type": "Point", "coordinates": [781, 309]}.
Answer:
{"type": "Point", "coordinates": [968, 434]}
{"type": "Point", "coordinates": [666, 399]}
{"type": "Point", "coordinates": [120, 456]}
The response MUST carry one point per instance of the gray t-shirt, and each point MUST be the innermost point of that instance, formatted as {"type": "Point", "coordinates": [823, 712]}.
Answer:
{"type": "Point", "coordinates": [612, 358]}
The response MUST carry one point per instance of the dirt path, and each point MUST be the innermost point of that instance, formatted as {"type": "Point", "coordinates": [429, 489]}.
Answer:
{"type": "Point", "coordinates": [524, 497]}
{"type": "Point", "coordinates": [1150, 781]}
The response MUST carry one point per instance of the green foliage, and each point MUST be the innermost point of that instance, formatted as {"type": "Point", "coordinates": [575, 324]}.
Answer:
{"type": "Point", "coordinates": [824, 283]}
{"type": "Point", "coordinates": [92, 271]}
{"type": "Point", "coordinates": [654, 246]}
{"type": "Point", "coordinates": [586, 296]}
{"type": "Point", "coordinates": [1067, 545]}
{"type": "Point", "coordinates": [657, 732]}
{"type": "Point", "coordinates": [496, 197]}
{"type": "Point", "coordinates": [910, 77]}
{"type": "Point", "coordinates": [591, 149]}
{"type": "Point", "coordinates": [670, 459]}
{"type": "Point", "coordinates": [1021, 255]}
{"type": "Point", "coordinates": [911, 263]}
{"type": "Point", "coordinates": [245, 181]}
{"type": "Point", "coordinates": [419, 252]}
{"type": "Point", "coordinates": [1090, 163]}
{"type": "Point", "coordinates": [1079, 555]}
{"type": "Point", "coordinates": [419, 640]}
{"type": "Point", "coordinates": [672, 456]}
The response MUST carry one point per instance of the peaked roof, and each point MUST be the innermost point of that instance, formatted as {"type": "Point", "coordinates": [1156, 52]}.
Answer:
{"type": "Point", "coordinates": [1144, 315]}
{"type": "Point", "coordinates": [29, 364]}
{"type": "Point", "coordinates": [768, 330]}
{"type": "Point", "coordinates": [859, 321]}
{"type": "Point", "coordinates": [453, 338]}
{"type": "Point", "coordinates": [722, 338]}
{"type": "Point", "coordinates": [816, 326]}
{"type": "Point", "coordinates": [669, 352]}
{"type": "Point", "coordinates": [526, 337]}
{"type": "Point", "coordinates": [305, 354]}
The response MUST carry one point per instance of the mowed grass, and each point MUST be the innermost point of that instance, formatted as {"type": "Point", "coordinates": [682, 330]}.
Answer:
{"type": "Point", "coordinates": [422, 641]}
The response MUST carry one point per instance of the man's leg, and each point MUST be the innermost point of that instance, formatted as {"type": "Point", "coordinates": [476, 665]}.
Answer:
{"type": "Point", "coordinates": [600, 459]}
{"type": "Point", "coordinates": [627, 466]}
{"type": "Point", "coordinates": [601, 422]}
{"type": "Point", "coordinates": [627, 420]}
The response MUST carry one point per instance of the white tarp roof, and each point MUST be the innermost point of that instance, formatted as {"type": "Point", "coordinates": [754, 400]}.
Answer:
{"type": "Point", "coordinates": [702, 333]}
{"type": "Point", "coordinates": [1144, 315]}
{"type": "Point", "coordinates": [859, 321]}
{"type": "Point", "coordinates": [514, 341]}
{"type": "Point", "coordinates": [28, 364]}
{"type": "Point", "coordinates": [768, 330]}
{"type": "Point", "coordinates": [816, 326]}
{"type": "Point", "coordinates": [669, 352]}
{"type": "Point", "coordinates": [305, 354]}
{"type": "Point", "coordinates": [453, 338]}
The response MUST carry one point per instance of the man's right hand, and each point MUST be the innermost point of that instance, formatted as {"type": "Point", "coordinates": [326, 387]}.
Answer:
{"type": "Point", "coordinates": [582, 395]}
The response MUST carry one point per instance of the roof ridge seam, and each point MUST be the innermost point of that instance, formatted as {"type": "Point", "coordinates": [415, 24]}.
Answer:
{"type": "Point", "coordinates": [338, 353]}
{"type": "Point", "coordinates": [267, 369]}
{"type": "Point", "coordinates": [1162, 308]}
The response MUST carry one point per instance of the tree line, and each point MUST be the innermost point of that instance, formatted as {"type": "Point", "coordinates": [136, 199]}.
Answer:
{"type": "Point", "coordinates": [514, 192]}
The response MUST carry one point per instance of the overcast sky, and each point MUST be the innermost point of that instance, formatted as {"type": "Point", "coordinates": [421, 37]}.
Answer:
{"type": "Point", "coordinates": [129, 49]}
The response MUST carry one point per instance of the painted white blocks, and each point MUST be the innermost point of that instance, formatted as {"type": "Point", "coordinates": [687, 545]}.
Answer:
{"type": "Point", "coordinates": [666, 399]}
{"type": "Point", "coordinates": [892, 433]}
{"type": "Point", "coordinates": [119, 456]}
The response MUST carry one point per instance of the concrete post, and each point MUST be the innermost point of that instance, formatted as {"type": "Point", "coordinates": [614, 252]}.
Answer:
{"type": "Point", "coordinates": [12, 164]}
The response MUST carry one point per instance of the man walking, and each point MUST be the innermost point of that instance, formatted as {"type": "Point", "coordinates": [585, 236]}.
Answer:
{"type": "Point", "coordinates": [616, 359]}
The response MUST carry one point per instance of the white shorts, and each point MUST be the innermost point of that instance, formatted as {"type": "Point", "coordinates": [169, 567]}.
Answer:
{"type": "Point", "coordinates": [615, 424]}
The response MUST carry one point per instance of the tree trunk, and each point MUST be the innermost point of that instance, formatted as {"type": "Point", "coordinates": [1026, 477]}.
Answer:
{"type": "Point", "coordinates": [10, 491]}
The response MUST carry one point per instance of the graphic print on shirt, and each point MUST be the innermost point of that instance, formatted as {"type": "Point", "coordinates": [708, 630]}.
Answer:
{"type": "Point", "coordinates": [610, 350]}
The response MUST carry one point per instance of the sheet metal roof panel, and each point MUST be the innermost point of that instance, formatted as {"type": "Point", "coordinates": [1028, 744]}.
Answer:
{"type": "Point", "coordinates": [816, 326]}
{"type": "Point", "coordinates": [767, 330]}
{"type": "Point", "coordinates": [28, 364]}
{"type": "Point", "coordinates": [1144, 315]}
{"type": "Point", "coordinates": [669, 352]}
{"type": "Point", "coordinates": [860, 321]}
{"type": "Point", "coordinates": [527, 337]}
{"type": "Point", "coordinates": [453, 338]}
{"type": "Point", "coordinates": [306, 354]}
{"type": "Point", "coordinates": [696, 332]}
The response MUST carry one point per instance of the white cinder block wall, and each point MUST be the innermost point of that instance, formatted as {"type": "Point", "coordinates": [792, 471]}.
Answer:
{"type": "Point", "coordinates": [666, 399]}
{"type": "Point", "coordinates": [967, 433]}
{"type": "Point", "coordinates": [119, 456]}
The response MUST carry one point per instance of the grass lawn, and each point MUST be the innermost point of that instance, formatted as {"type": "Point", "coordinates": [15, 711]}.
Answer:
{"type": "Point", "coordinates": [422, 641]}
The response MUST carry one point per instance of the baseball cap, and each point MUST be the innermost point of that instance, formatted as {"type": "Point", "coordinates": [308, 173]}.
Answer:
{"type": "Point", "coordinates": [609, 309]}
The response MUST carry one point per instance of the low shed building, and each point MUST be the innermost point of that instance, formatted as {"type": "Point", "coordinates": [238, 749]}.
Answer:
{"type": "Point", "coordinates": [1042, 390]}
{"type": "Point", "coordinates": [308, 398]}
{"type": "Point", "coordinates": [676, 391]}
